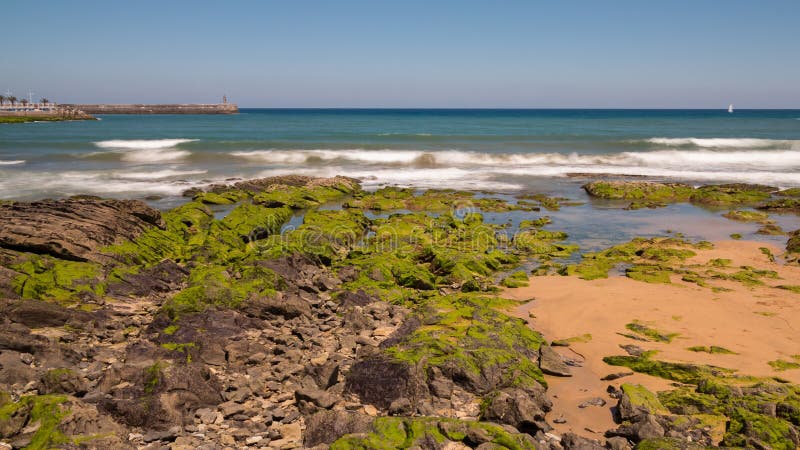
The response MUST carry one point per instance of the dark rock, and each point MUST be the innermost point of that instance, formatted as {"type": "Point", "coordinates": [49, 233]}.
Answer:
{"type": "Point", "coordinates": [380, 380]}
{"type": "Point", "coordinates": [63, 381]}
{"type": "Point", "coordinates": [36, 313]}
{"type": "Point", "coordinates": [405, 329]}
{"type": "Point", "coordinates": [615, 376]}
{"type": "Point", "coordinates": [318, 397]}
{"type": "Point", "coordinates": [523, 409]}
{"type": "Point", "coordinates": [325, 427]}
{"type": "Point", "coordinates": [159, 396]}
{"type": "Point", "coordinates": [74, 229]}
{"type": "Point", "coordinates": [19, 338]}
{"type": "Point", "coordinates": [166, 276]}
{"type": "Point", "coordinates": [358, 298]}
{"type": "Point", "coordinates": [633, 350]}
{"type": "Point", "coordinates": [571, 441]}
{"type": "Point", "coordinates": [551, 362]}
{"type": "Point", "coordinates": [597, 401]}
{"type": "Point", "coordinates": [286, 305]}
{"type": "Point", "coordinates": [618, 443]}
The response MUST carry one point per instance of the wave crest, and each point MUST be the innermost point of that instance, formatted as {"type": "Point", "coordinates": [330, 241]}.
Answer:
{"type": "Point", "coordinates": [141, 144]}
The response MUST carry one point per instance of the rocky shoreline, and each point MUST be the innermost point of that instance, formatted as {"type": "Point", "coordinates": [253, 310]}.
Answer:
{"type": "Point", "coordinates": [376, 323]}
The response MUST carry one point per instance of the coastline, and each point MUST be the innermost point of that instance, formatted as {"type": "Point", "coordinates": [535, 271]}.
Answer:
{"type": "Point", "coordinates": [271, 311]}
{"type": "Point", "coordinates": [755, 323]}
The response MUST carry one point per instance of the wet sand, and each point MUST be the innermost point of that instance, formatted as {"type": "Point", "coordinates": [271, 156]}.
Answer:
{"type": "Point", "coordinates": [759, 323]}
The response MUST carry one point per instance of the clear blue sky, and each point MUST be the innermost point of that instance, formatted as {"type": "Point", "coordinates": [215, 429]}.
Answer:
{"type": "Point", "coordinates": [339, 53]}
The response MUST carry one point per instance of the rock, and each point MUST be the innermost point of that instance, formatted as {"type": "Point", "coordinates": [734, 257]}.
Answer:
{"type": "Point", "coordinates": [74, 229]}
{"type": "Point", "coordinates": [36, 313]}
{"type": "Point", "coordinates": [615, 376]}
{"type": "Point", "coordinates": [571, 441]}
{"type": "Point", "coordinates": [596, 401]}
{"type": "Point", "coordinates": [19, 338]}
{"type": "Point", "coordinates": [166, 276]}
{"type": "Point", "coordinates": [633, 350]}
{"type": "Point", "coordinates": [230, 408]}
{"type": "Point", "coordinates": [551, 362]}
{"type": "Point", "coordinates": [636, 401]}
{"type": "Point", "coordinates": [318, 397]}
{"type": "Point", "coordinates": [524, 409]}
{"type": "Point", "coordinates": [286, 305]}
{"type": "Point", "coordinates": [379, 380]}
{"type": "Point", "coordinates": [618, 443]}
{"type": "Point", "coordinates": [325, 427]}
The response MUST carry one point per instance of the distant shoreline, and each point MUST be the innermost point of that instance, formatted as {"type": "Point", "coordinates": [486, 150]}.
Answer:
{"type": "Point", "coordinates": [137, 108]}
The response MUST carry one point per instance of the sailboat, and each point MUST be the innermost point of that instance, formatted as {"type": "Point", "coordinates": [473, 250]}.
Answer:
{"type": "Point", "coordinates": [730, 108]}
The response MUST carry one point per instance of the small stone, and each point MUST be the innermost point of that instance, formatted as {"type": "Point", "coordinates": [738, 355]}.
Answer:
{"type": "Point", "coordinates": [370, 410]}
{"type": "Point", "coordinates": [26, 358]}
{"type": "Point", "coordinates": [253, 440]}
{"type": "Point", "coordinates": [614, 376]}
{"type": "Point", "coordinates": [230, 408]}
{"type": "Point", "coordinates": [597, 401]}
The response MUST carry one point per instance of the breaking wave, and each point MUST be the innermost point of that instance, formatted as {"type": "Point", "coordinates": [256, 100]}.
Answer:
{"type": "Point", "coordinates": [12, 162]}
{"type": "Point", "coordinates": [137, 144]}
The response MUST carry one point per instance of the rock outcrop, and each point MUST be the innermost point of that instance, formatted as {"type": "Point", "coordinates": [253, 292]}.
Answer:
{"type": "Point", "coordinates": [76, 229]}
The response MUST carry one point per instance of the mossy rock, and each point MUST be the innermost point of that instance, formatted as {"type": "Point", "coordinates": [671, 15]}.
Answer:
{"type": "Point", "coordinates": [731, 194]}
{"type": "Point", "coordinates": [639, 190]}
{"type": "Point", "coordinates": [515, 280]}
{"type": "Point", "coordinates": [746, 216]}
{"type": "Point", "coordinates": [407, 432]}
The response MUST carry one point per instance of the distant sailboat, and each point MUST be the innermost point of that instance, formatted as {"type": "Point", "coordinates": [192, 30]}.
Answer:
{"type": "Point", "coordinates": [730, 108]}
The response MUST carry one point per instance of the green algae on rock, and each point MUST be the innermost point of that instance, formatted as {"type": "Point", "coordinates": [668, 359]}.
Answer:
{"type": "Point", "coordinates": [741, 401]}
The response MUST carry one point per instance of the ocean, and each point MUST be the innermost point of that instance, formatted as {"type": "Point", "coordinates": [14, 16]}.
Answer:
{"type": "Point", "coordinates": [158, 157]}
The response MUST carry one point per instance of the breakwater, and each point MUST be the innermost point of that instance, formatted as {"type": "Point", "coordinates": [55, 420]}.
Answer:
{"type": "Point", "coordinates": [217, 108]}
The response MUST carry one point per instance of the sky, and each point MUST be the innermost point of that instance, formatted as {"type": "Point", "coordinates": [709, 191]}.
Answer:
{"type": "Point", "coordinates": [409, 53]}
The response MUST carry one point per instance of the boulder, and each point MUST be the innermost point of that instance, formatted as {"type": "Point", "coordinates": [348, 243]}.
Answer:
{"type": "Point", "coordinates": [325, 427]}
{"type": "Point", "coordinates": [379, 380]}
{"type": "Point", "coordinates": [551, 363]}
{"type": "Point", "coordinates": [524, 409]}
{"type": "Point", "coordinates": [75, 229]}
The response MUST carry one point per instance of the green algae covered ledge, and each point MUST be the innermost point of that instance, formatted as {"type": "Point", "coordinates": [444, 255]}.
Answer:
{"type": "Point", "coordinates": [300, 311]}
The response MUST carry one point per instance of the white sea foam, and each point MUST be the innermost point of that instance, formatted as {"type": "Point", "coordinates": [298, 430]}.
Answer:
{"type": "Point", "coordinates": [136, 144]}
{"type": "Point", "coordinates": [710, 159]}
{"type": "Point", "coordinates": [725, 142]}
{"type": "Point", "coordinates": [158, 174]}
{"type": "Point", "coordinates": [155, 155]}
{"type": "Point", "coordinates": [12, 162]}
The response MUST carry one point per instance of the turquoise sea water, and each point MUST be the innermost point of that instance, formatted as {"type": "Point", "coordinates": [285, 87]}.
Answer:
{"type": "Point", "coordinates": [500, 150]}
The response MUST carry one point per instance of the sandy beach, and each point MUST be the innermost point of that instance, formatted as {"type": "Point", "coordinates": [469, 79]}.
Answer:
{"type": "Point", "coordinates": [757, 323]}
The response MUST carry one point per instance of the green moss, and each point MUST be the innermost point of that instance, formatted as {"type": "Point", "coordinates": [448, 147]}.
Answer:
{"type": "Point", "coordinates": [730, 194]}
{"type": "Point", "coordinates": [637, 190]}
{"type": "Point", "coordinates": [719, 262]}
{"type": "Point", "coordinates": [770, 431]}
{"type": "Point", "coordinates": [782, 205]}
{"type": "Point", "coordinates": [680, 372]}
{"type": "Point", "coordinates": [712, 349]}
{"type": "Point", "coordinates": [788, 287]}
{"type": "Point", "coordinates": [47, 278]}
{"type": "Point", "coordinates": [48, 411]}
{"type": "Point", "coordinates": [172, 329]}
{"type": "Point", "coordinates": [746, 216]}
{"type": "Point", "coordinates": [736, 236]}
{"type": "Point", "coordinates": [780, 365]}
{"type": "Point", "coordinates": [640, 397]}
{"type": "Point", "coordinates": [648, 274]}
{"type": "Point", "coordinates": [650, 333]}
{"type": "Point", "coordinates": [791, 192]}
{"type": "Point", "coordinates": [465, 332]}
{"type": "Point", "coordinates": [407, 432]}
{"type": "Point", "coordinates": [537, 223]}
{"type": "Point", "coordinates": [515, 280]}
{"type": "Point", "coordinates": [667, 443]}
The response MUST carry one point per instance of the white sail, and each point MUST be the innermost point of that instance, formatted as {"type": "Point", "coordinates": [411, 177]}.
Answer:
{"type": "Point", "coordinates": [730, 108]}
